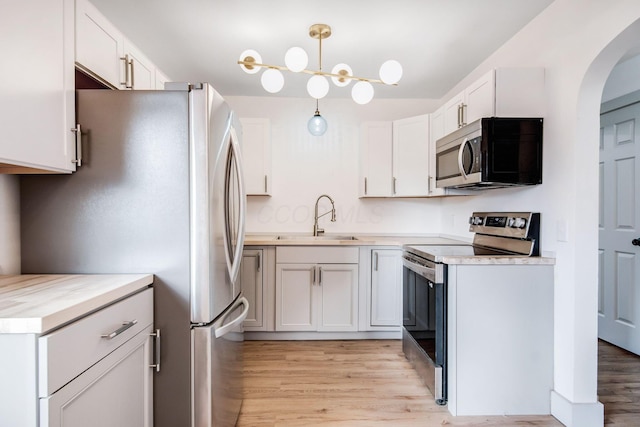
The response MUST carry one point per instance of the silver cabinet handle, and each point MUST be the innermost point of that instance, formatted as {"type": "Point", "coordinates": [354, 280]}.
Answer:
{"type": "Point", "coordinates": [128, 72]}
{"type": "Point", "coordinates": [259, 260]}
{"type": "Point", "coordinates": [320, 275]}
{"type": "Point", "coordinates": [365, 185]}
{"type": "Point", "coordinates": [313, 281]}
{"type": "Point", "coordinates": [459, 115]}
{"type": "Point", "coordinates": [156, 336]}
{"type": "Point", "coordinates": [463, 106]}
{"type": "Point", "coordinates": [133, 81]}
{"type": "Point", "coordinates": [265, 184]}
{"type": "Point", "coordinates": [394, 185]}
{"type": "Point", "coordinates": [78, 134]}
{"type": "Point", "coordinates": [375, 264]}
{"type": "Point", "coordinates": [121, 329]}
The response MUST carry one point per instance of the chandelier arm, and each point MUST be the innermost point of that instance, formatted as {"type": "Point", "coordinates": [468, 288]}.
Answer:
{"type": "Point", "coordinates": [320, 73]}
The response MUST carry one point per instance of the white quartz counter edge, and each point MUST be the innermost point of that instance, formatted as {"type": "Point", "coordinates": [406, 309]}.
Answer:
{"type": "Point", "coordinates": [361, 240]}
{"type": "Point", "coordinates": [38, 303]}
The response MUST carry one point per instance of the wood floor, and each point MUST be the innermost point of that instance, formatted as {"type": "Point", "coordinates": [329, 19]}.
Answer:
{"type": "Point", "coordinates": [619, 385]}
{"type": "Point", "coordinates": [345, 383]}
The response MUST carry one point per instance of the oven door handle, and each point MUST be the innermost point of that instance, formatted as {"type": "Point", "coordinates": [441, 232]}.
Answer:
{"type": "Point", "coordinates": [424, 271]}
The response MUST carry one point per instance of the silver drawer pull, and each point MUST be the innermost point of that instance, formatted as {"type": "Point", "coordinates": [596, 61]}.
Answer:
{"type": "Point", "coordinates": [120, 330]}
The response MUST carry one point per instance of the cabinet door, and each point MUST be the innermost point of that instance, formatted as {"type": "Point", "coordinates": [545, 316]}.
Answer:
{"type": "Point", "coordinates": [480, 98]}
{"type": "Point", "coordinates": [452, 113]}
{"type": "Point", "coordinates": [411, 156]}
{"type": "Point", "coordinates": [251, 282]}
{"type": "Point", "coordinates": [38, 86]}
{"type": "Point", "coordinates": [161, 79]}
{"type": "Point", "coordinates": [338, 297]}
{"type": "Point", "coordinates": [116, 391]}
{"type": "Point", "coordinates": [141, 71]}
{"type": "Point", "coordinates": [375, 159]}
{"type": "Point", "coordinates": [436, 131]}
{"type": "Point", "coordinates": [256, 153]}
{"type": "Point", "coordinates": [295, 289]}
{"type": "Point", "coordinates": [99, 45]}
{"type": "Point", "coordinates": [386, 287]}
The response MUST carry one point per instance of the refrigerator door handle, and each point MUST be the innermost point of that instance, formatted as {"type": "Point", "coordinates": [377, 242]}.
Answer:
{"type": "Point", "coordinates": [225, 329]}
{"type": "Point", "coordinates": [237, 255]}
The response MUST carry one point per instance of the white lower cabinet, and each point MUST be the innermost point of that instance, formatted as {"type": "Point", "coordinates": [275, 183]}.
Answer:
{"type": "Point", "coordinates": [386, 288]}
{"type": "Point", "coordinates": [96, 371]}
{"type": "Point", "coordinates": [316, 296]}
{"type": "Point", "coordinates": [252, 284]}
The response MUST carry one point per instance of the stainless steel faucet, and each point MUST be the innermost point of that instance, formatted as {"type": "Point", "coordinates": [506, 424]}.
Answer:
{"type": "Point", "coordinates": [317, 230]}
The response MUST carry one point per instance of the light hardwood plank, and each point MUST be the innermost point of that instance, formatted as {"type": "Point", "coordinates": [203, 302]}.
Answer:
{"type": "Point", "coordinates": [619, 385]}
{"type": "Point", "coordinates": [345, 383]}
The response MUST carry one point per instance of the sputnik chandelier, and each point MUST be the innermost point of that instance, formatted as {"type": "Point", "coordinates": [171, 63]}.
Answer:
{"type": "Point", "coordinates": [296, 60]}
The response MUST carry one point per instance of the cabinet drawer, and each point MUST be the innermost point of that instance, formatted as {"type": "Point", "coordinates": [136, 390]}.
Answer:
{"type": "Point", "coordinates": [317, 255]}
{"type": "Point", "coordinates": [66, 353]}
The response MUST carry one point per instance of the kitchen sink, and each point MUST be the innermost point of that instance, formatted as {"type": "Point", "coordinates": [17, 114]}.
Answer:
{"type": "Point", "coordinates": [322, 237]}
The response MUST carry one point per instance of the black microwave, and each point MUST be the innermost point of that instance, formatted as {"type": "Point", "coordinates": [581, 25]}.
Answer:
{"type": "Point", "coordinates": [492, 152]}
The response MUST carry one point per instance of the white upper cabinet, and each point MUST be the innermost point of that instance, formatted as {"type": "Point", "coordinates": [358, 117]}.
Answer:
{"type": "Point", "coordinates": [140, 72]}
{"type": "Point", "coordinates": [103, 52]}
{"type": "Point", "coordinates": [503, 92]}
{"type": "Point", "coordinates": [37, 84]}
{"type": "Point", "coordinates": [256, 156]}
{"type": "Point", "coordinates": [394, 158]}
{"type": "Point", "coordinates": [375, 159]}
{"type": "Point", "coordinates": [99, 45]}
{"type": "Point", "coordinates": [411, 156]}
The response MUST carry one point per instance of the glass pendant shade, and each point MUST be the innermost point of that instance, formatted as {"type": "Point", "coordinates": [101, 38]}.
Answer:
{"type": "Point", "coordinates": [272, 80]}
{"type": "Point", "coordinates": [317, 125]}
{"type": "Point", "coordinates": [296, 59]}
{"type": "Point", "coordinates": [362, 92]}
{"type": "Point", "coordinates": [318, 86]}
{"type": "Point", "coordinates": [250, 55]}
{"type": "Point", "coordinates": [342, 69]}
{"type": "Point", "coordinates": [391, 72]}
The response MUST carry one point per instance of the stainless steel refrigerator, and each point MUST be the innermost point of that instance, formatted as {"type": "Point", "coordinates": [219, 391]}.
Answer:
{"type": "Point", "coordinates": [160, 191]}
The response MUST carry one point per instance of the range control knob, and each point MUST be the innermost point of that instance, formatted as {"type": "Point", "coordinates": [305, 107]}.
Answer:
{"type": "Point", "coordinates": [516, 222]}
{"type": "Point", "coordinates": [476, 220]}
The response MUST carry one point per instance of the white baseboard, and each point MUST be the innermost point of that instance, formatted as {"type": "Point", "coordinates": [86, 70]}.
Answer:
{"type": "Point", "coordinates": [572, 414]}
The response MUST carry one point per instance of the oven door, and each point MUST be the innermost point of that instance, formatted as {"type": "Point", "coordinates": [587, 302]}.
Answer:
{"type": "Point", "coordinates": [424, 337]}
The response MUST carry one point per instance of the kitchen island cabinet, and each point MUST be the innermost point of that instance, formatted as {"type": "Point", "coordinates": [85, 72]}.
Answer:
{"type": "Point", "coordinates": [76, 350]}
{"type": "Point", "coordinates": [500, 338]}
{"type": "Point", "coordinates": [38, 107]}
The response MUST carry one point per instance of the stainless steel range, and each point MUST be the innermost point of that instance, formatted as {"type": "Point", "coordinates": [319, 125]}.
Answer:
{"type": "Point", "coordinates": [424, 335]}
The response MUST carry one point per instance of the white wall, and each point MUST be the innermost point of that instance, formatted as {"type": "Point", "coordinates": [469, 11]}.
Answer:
{"type": "Point", "coordinates": [624, 79]}
{"type": "Point", "coordinates": [9, 225]}
{"type": "Point", "coordinates": [578, 43]}
{"type": "Point", "coordinates": [304, 167]}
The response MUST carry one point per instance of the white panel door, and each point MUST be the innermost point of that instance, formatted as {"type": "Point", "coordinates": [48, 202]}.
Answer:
{"type": "Point", "coordinates": [386, 287]}
{"type": "Point", "coordinates": [295, 288]}
{"type": "Point", "coordinates": [251, 283]}
{"type": "Point", "coordinates": [338, 285]}
{"type": "Point", "coordinates": [619, 279]}
{"type": "Point", "coordinates": [256, 155]}
{"type": "Point", "coordinates": [375, 159]}
{"type": "Point", "coordinates": [481, 97]}
{"type": "Point", "coordinates": [411, 156]}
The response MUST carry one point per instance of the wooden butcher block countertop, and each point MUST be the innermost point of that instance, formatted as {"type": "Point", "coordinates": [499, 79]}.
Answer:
{"type": "Point", "coordinates": [38, 303]}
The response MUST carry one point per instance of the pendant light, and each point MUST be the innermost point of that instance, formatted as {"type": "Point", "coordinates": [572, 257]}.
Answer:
{"type": "Point", "coordinates": [317, 125]}
{"type": "Point", "coordinates": [296, 61]}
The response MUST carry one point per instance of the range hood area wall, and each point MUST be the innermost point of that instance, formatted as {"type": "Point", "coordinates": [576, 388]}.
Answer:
{"type": "Point", "coordinates": [306, 166]}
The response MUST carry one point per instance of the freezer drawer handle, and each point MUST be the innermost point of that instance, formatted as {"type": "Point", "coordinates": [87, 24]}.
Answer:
{"type": "Point", "coordinates": [156, 365]}
{"type": "Point", "coordinates": [121, 329]}
{"type": "Point", "coordinates": [223, 330]}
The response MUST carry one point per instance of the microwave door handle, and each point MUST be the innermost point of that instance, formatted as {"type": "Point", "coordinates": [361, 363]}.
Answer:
{"type": "Point", "coordinates": [460, 153]}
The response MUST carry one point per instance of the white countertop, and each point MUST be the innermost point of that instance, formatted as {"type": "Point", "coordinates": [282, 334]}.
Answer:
{"type": "Point", "coordinates": [37, 303]}
{"type": "Point", "coordinates": [361, 240]}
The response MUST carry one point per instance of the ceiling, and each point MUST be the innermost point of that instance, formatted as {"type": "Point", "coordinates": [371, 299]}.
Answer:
{"type": "Point", "coordinates": [438, 42]}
